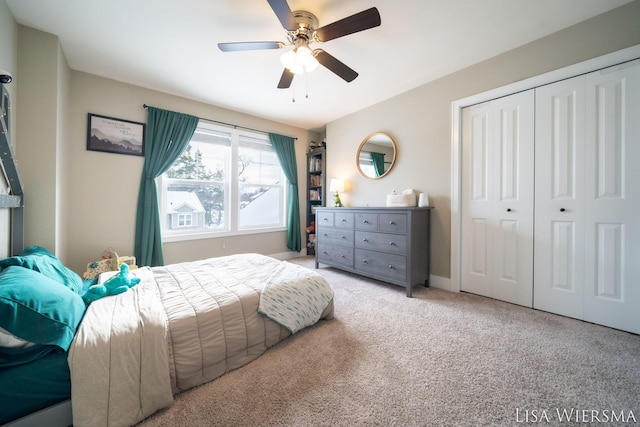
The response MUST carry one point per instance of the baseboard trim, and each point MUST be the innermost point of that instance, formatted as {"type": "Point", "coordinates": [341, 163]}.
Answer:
{"type": "Point", "coordinates": [439, 282]}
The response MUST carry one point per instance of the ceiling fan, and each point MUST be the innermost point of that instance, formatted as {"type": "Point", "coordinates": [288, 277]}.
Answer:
{"type": "Point", "coordinates": [302, 30]}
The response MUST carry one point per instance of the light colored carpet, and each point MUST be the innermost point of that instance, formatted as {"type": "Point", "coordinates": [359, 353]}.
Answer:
{"type": "Point", "coordinates": [439, 358]}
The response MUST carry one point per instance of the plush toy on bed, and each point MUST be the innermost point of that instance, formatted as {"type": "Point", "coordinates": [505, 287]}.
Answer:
{"type": "Point", "coordinates": [115, 285]}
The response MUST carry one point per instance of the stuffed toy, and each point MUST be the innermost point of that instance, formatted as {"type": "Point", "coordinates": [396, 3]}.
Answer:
{"type": "Point", "coordinates": [115, 285]}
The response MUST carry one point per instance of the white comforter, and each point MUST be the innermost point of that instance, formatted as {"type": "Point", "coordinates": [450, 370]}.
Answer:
{"type": "Point", "coordinates": [182, 325]}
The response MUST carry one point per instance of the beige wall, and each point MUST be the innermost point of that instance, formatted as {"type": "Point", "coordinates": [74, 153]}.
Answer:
{"type": "Point", "coordinates": [8, 62]}
{"type": "Point", "coordinates": [420, 120]}
{"type": "Point", "coordinates": [103, 187]}
{"type": "Point", "coordinates": [37, 135]}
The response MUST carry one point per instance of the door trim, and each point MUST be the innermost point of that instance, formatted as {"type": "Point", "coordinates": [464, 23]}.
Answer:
{"type": "Point", "coordinates": [605, 61]}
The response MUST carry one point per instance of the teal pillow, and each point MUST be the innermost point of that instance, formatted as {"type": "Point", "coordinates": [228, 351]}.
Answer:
{"type": "Point", "coordinates": [38, 309]}
{"type": "Point", "coordinates": [41, 260]}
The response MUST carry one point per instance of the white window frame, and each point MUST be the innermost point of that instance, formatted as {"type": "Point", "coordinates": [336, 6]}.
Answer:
{"type": "Point", "coordinates": [231, 194]}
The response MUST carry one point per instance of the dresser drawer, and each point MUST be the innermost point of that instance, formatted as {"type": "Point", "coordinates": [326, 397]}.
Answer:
{"type": "Point", "coordinates": [324, 218]}
{"type": "Point", "coordinates": [378, 264]}
{"type": "Point", "coordinates": [343, 220]}
{"type": "Point", "coordinates": [335, 235]}
{"type": "Point", "coordinates": [366, 221]}
{"type": "Point", "coordinates": [335, 254]}
{"type": "Point", "coordinates": [393, 223]}
{"type": "Point", "coordinates": [392, 243]}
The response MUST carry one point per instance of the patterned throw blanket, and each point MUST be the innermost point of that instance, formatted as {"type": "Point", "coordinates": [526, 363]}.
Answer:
{"type": "Point", "coordinates": [295, 297]}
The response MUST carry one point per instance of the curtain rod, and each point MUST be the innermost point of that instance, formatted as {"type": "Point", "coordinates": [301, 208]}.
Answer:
{"type": "Point", "coordinates": [226, 124]}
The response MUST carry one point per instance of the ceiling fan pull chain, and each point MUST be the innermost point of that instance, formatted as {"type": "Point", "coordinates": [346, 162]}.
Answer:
{"type": "Point", "coordinates": [306, 85]}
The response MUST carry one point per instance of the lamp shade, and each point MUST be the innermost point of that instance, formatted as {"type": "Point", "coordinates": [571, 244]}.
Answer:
{"type": "Point", "coordinates": [336, 185]}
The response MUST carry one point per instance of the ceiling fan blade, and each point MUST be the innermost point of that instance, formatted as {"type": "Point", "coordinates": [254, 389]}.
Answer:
{"type": "Point", "coordinates": [286, 79]}
{"type": "Point", "coordinates": [351, 24]}
{"type": "Point", "coordinates": [283, 12]}
{"type": "Point", "coordinates": [236, 46]}
{"type": "Point", "coordinates": [335, 65]}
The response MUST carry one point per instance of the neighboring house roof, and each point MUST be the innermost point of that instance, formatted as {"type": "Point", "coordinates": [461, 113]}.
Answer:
{"type": "Point", "coordinates": [179, 200]}
{"type": "Point", "coordinates": [261, 210]}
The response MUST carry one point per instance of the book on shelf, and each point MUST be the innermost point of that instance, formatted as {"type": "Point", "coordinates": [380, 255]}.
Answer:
{"type": "Point", "coordinates": [315, 195]}
{"type": "Point", "coordinates": [315, 164]}
{"type": "Point", "coordinates": [315, 180]}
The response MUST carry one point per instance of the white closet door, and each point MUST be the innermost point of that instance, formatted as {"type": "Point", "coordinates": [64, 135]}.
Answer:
{"type": "Point", "coordinates": [612, 202]}
{"type": "Point", "coordinates": [559, 183]}
{"type": "Point", "coordinates": [587, 202]}
{"type": "Point", "coordinates": [497, 194]}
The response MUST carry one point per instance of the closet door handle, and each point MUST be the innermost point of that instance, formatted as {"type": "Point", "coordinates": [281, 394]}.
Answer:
{"type": "Point", "coordinates": [509, 210]}
{"type": "Point", "coordinates": [562, 209]}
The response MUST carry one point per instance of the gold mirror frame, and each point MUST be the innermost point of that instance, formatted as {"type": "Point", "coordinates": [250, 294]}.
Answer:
{"type": "Point", "coordinates": [377, 142]}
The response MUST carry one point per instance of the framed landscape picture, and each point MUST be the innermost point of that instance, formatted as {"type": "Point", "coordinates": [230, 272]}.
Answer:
{"type": "Point", "coordinates": [115, 135]}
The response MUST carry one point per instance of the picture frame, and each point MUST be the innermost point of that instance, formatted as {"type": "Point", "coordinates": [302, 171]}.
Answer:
{"type": "Point", "coordinates": [112, 135]}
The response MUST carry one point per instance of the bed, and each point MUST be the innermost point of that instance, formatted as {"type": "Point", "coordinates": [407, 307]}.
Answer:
{"type": "Point", "coordinates": [182, 325]}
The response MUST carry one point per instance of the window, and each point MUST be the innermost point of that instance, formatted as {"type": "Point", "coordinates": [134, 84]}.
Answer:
{"type": "Point", "coordinates": [227, 181]}
{"type": "Point", "coordinates": [184, 220]}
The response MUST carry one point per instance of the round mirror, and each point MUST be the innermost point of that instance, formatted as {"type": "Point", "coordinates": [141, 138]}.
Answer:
{"type": "Point", "coordinates": [376, 155]}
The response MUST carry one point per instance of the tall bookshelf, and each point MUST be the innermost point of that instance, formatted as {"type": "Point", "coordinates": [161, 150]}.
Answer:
{"type": "Point", "coordinates": [316, 186]}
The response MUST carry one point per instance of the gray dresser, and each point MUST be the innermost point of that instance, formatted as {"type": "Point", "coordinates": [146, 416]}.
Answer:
{"type": "Point", "coordinates": [388, 244]}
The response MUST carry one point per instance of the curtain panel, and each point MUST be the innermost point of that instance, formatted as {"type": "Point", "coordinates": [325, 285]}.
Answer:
{"type": "Point", "coordinates": [285, 150]}
{"type": "Point", "coordinates": [378, 162]}
{"type": "Point", "coordinates": [168, 134]}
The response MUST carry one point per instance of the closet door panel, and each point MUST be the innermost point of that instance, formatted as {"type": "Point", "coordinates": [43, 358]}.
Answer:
{"type": "Point", "coordinates": [612, 203]}
{"type": "Point", "coordinates": [559, 190]}
{"type": "Point", "coordinates": [497, 213]}
{"type": "Point", "coordinates": [477, 271]}
{"type": "Point", "coordinates": [513, 209]}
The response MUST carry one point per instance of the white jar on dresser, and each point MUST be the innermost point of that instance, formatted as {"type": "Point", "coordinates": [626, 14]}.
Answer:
{"type": "Point", "coordinates": [387, 244]}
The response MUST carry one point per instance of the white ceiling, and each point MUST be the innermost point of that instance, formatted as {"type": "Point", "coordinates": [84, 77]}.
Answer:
{"type": "Point", "coordinates": [171, 46]}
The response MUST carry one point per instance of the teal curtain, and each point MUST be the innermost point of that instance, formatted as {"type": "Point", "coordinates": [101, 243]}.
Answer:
{"type": "Point", "coordinates": [286, 152]}
{"type": "Point", "coordinates": [168, 134]}
{"type": "Point", "coordinates": [378, 162]}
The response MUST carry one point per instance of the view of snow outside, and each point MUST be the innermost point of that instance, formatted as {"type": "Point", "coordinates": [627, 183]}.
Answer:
{"type": "Point", "coordinates": [205, 169]}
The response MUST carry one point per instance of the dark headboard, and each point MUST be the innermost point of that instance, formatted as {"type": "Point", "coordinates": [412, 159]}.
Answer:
{"type": "Point", "coordinates": [14, 199]}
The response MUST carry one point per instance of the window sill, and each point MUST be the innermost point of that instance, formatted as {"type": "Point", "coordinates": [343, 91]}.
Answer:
{"type": "Point", "coordinates": [199, 236]}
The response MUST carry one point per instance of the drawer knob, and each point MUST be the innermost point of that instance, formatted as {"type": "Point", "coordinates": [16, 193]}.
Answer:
{"type": "Point", "coordinates": [392, 243]}
{"type": "Point", "coordinates": [365, 240]}
{"type": "Point", "coordinates": [364, 221]}
{"type": "Point", "coordinates": [324, 234]}
{"type": "Point", "coordinates": [342, 256]}
{"type": "Point", "coordinates": [391, 266]}
{"type": "Point", "coordinates": [342, 237]}
{"type": "Point", "coordinates": [344, 220]}
{"type": "Point", "coordinates": [325, 219]}
{"type": "Point", "coordinates": [364, 261]}
{"type": "Point", "coordinates": [392, 223]}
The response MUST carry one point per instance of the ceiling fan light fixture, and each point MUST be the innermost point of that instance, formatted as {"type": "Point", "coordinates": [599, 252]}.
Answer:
{"type": "Point", "coordinates": [299, 60]}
